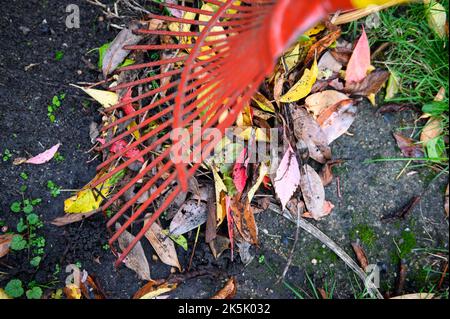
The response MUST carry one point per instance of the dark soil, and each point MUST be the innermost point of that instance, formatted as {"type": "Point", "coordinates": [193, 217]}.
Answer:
{"type": "Point", "coordinates": [368, 191]}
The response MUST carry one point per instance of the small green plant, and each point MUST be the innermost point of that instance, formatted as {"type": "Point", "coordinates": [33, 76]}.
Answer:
{"type": "Point", "coordinates": [58, 157]}
{"type": "Point", "coordinates": [54, 189]}
{"type": "Point", "coordinates": [59, 55]}
{"type": "Point", "coordinates": [34, 293]}
{"type": "Point", "coordinates": [14, 288]}
{"type": "Point", "coordinates": [6, 155]}
{"type": "Point", "coordinates": [27, 227]}
{"type": "Point", "coordinates": [365, 233]}
{"type": "Point", "coordinates": [54, 106]}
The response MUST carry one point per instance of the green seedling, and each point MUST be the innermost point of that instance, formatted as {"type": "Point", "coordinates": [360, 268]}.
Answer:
{"type": "Point", "coordinates": [6, 155]}
{"type": "Point", "coordinates": [54, 189]}
{"type": "Point", "coordinates": [54, 106]}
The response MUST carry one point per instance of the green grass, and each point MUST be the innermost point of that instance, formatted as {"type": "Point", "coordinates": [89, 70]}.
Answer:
{"type": "Point", "coordinates": [419, 59]}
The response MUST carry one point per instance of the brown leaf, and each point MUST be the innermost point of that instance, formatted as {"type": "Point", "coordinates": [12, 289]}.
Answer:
{"type": "Point", "coordinates": [5, 242]}
{"type": "Point", "coordinates": [244, 220]}
{"type": "Point", "coordinates": [337, 119]}
{"type": "Point", "coordinates": [317, 48]}
{"type": "Point", "coordinates": [72, 218]}
{"type": "Point", "coordinates": [342, 55]}
{"type": "Point", "coordinates": [91, 289]}
{"type": "Point", "coordinates": [371, 84]}
{"type": "Point", "coordinates": [163, 245]}
{"type": "Point", "coordinates": [405, 211]}
{"type": "Point", "coordinates": [136, 259]}
{"type": "Point", "coordinates": [211, 221]}
{"type": "Point", "coordinates": [408, 146]}
{"type": "Point", "coordinates": [308, 130]}
{"type": "Point", "coordinates": [360, 255]}
{"type": "Point", "coordinates": [219, 245]}
{"type": "Point", "coordinates": [313, 191]}
{"type": "Point", "coordinates": [432, 130]}
{"type": "Point", "coordinates": [326, 173]}
{"type": "Point", "coordinates": [228, 291]}
{"type": "Point", "coordinates": [318, 102]}
{"type": "Point", "coordinates": [153, 289]}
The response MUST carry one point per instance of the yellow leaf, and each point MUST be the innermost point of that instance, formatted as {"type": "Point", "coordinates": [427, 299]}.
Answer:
{"type": "Point", "coordinates": [85, 201]}
{"type": "Point", "coordinates": [291, 58]}
{"type": "Point", "coordinates": [303, 87]}
{"type": "Point", "coordinates": [3, 295]}
{"type": "Point", "coordinates": [372, 99]}
{"type": "Point", "coordinates": [105, 98]}
{"type": "Point", "coordinates": [72, 291]}
{"type": "Point", "coordinates": [392, 86]}
{"type": "Point", "coordinates": [263, 170]}
{"type": "Point", "coordinates": [317, 29]}
{"type": "Point", "coordinates": [136, 133]}
{"type": "Point", "coordinates": [437, 17]}
{"type": "Point", "coordinates": [183, 27]}
{"type": "Point", "coordinates": [158, 292]}
{"type": "Point", "coordinates": [263, 102]}
{"type": "Point", "coordinates": [220, 187]}
{"type": "Point", "coordinates": [244, 118]}
{"type": "Point", "coordinates": [245, 133]}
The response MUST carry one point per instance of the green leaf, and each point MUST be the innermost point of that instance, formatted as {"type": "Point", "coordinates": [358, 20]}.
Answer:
{"type": "Point", "coordinates": [24, 176]}
{"type": "Point", "coordinates": [435, 108]}
{"type": "Point", "coordinates": [14, 288]}
{"type": "Point", "coordinates": [27, 209]}
{"type": "Point", "coordinates": [101, 54]}
{"type": "Point", "coordinates": [21, 226]}
{"type": "Point", "coordinates": [36, 261]}
{"type": "Point", "coordinates": [33, 219]}
{"type": "Point", "coordinates": [55, 101]}
{"type": "Point", "coordinates": [180, 240]}
{"type": "Point", "coordinates": [34, 293]}
{"type": "Point", "coordinates": [15, 207]}
{"type": "Point", "coordinates": [436, 147]}
{"type": "Point", "coordinates": [18, 243]}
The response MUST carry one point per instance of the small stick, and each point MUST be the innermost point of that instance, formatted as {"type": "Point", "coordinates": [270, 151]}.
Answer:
{"type": "Point", "coordinates": [193, 249]}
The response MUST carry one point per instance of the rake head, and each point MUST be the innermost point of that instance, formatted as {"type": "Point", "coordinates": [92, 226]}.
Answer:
{"type": "Point", "coordinates": [212, 62]}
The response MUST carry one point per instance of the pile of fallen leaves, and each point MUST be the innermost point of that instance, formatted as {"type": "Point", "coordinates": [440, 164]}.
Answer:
{"type": "Point", "coordinates": [312, 97]}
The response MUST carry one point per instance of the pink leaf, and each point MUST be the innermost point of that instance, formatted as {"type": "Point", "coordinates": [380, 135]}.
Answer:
{"type": "Point", "coordinates": [240, 172]}
{"type": "Point", "coordinates": [44, 156]}
{"type": "Point", "coordinates": [359, 62]}
{"type": "Point", "coordinates": [127, 108]}
{"type": "Point", "coordinates": [288, 177]}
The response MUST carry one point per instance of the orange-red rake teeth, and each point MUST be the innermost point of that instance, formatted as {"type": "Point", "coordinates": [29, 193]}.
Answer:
{"type": "Point", "coordinates": [222, 67]}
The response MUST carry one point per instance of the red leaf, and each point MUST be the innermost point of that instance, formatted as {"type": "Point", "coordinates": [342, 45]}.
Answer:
{"type": "Point", "coordinates": [127, 108]}
{"type": "Point", "coordinates": [359, 63]}
{"type": "Point", "coordinates": [121, 145]}
{"type": "Point", "coordinates": [240, 172]}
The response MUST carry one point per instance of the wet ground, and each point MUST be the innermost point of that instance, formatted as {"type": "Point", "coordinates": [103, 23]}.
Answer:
{"type": "Point", "coordinates": [366, 191]}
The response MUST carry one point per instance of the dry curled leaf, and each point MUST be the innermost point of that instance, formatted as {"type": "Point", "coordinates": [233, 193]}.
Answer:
{"type": "Point", "coordinates": [163, 245]}
{"type": "Point", "coordinates": [408, 146]}
{"type": "Point", "coordinates": [371, 84]}
{"type": "Point", "coordinates": [72, 218]}
{"type": "Point", "coordinates": [5, 242]}
{"type": "Point", "coordinates": [318, 102]}
{"type": "Point", "coordinates": [360, 255]}
{"type": "Point", "coordinates": [337, 119]}
{"type": "Point", "coordinates": [154, 289]}
{"type": "Point", "coordinates": [313, 191]}
{"type": "Point", "coordinates": [115, 54]}
{"type": "Point", "coordinates": [190, 215]}
{"type": "Point", "coordinates": [136, 259]}
{"type": "Point", "coordinates": [308, 130]}
{"type": "Point", "coordinates": [228, 291]}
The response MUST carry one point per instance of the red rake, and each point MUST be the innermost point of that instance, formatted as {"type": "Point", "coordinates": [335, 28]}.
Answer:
{"type": "Point", "coordinates": [229, 57]}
